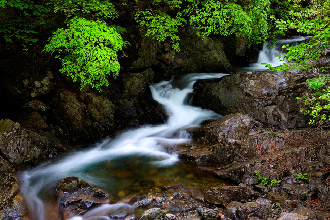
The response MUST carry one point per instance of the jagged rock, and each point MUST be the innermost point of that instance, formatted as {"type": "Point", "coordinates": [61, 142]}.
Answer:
{"type": "Point", "coordinates": [75, 196]}
{"type": "Point", "coordinates": [269, 97]}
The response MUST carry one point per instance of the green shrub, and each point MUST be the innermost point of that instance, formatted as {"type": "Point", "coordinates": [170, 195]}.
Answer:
{"type": "Point", "coordinates": [260, 178]}
{"type": "Point", "coordinates": [302, 176]}
{"type": "Point", "coordinates": [161, 26]}
{"type": "Point", "coordinates": [317, 101]}
{"type": "Point", "coordinates": [312, 19]}
{"type": "Point", "coordinates": [88, 51]}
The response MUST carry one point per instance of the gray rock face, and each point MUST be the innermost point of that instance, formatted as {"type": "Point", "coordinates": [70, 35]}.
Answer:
{"type": "Point", "coordinates": [269, 97]}
{"type": "Point", "coordinates": [17, 145]}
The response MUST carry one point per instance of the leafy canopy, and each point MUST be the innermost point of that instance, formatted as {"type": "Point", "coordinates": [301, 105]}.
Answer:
{"type": "Point", "coordinates": [88, 51]}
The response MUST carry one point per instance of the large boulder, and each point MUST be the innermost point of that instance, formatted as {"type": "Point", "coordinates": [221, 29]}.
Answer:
{"type": "Point", "coordinates": [198, 55]}
{"type": "Point", "coordinates": [20, 146]}
{"type": "Point", "coordinates": [267, 96]}
{"type": "Point", "coordinates": [230, 139]}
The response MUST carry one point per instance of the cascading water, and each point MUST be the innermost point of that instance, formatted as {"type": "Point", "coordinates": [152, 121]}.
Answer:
{"type": "Point", "coordinates": [272, 55]}
{"type": "Point", "coordinates": [148, 141]}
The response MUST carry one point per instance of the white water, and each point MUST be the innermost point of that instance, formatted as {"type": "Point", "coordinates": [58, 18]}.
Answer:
{"type": "Point", "coordinates": [146, 141]}
{"type": "Point", "coordinates": [272, 55]}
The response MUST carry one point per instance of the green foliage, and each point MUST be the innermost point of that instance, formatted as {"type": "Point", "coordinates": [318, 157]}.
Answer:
{"type": "Point", "coordinates": [274, 182]}
{"type": "Point", "coordinates": [262, 179]}
{"type": "Point", "coordinates": [302, 176]}
{"type": "Point", "coordinates": [227, 18]}
{"type": "Point", "coordinates": [21, 19]}
{"type": "Point", "coordinates": [317, 101]}
{"type": "Point", "coordinates": [85, 8]}
{"type": "Point", "coordinates": [215, 17]}
{"type": "Point", "coordinates": [161, 26]}
{"type": "Point", "coordinates": [88, 51]}
{"type": "Point", "coordinates": [209, 17]}
{"type": "Point", "coordinates": [311, 20]}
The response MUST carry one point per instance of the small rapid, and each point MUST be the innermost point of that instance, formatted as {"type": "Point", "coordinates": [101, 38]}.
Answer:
{"type": "Point", "coordinates": [147, 141]}
{"type": "Point", "coordinates": [272, 54]}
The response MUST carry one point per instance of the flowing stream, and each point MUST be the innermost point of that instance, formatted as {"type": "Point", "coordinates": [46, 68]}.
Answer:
{"type": "Point", "coordinates": [273, 55]}
{"type": "Point", "coordinates": [143, 148]}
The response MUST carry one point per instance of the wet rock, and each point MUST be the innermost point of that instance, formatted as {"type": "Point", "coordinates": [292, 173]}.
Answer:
{"type": "Point", "coordinates": [231, 139]}
{"type": "Point", "coordinates": [15, 211]}
{"type": "Point", "coordinates": [178, 201]}
{"type": "Point", "coordinates": [199, 55]}
{"type": "Point", "coordinates": [297, 191]}
{"type": "Point", "coordinates": [226, 194]}
{"type": "Point", "coordinates": [69, 114]}
{"type": "Point", "coordinates": [209, 213]}
{"type": "Point", "coordinates": [196, 54]}
{"type": "Point", "coordinates": [292, 216]}
{"type": "Point", "coordinates": [151, 214]}
{"type": "Point", "coordinates": [257, 209]}
{"type": "Point", "coordinates": [135, 84]}
{"type": "Point", "coordinates": [147, 50]}
{"type": "Point", "coordinates": [269, 97]}
{"type": "Point", "coordinates": [199, 155]}
{"type": "Point", "coordinates": [101, 113]}
{"type": "Point", "coordinates": [170, 217]}
{"type": "Point", "coordinates": [19, 146]}
{"type": "Point", "coordinates": [75, 196]}
{"type": "Point", "coordinates": [263, 150]}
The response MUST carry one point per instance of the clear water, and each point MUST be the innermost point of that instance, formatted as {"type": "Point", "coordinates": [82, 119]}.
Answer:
{"type": "Point", "coordinates": [133, 162]}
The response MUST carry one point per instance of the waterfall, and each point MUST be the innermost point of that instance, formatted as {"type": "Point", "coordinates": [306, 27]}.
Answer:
{"type": "Point", "coordinates": [272, 54]}
{"type": "Point", "coordinates": [147, 141]}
